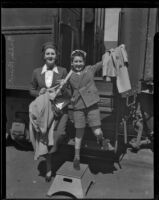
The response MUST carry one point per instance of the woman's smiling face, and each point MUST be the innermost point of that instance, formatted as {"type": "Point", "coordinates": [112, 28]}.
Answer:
{"type": "Point", "coordinates": [78, 63]}
{"type": "Point", "coordinates": [50, 56]}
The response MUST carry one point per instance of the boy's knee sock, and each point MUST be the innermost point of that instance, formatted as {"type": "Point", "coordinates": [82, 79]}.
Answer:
{"type": "Point", "coordinates": [77, 147]}
{"type": "Point", "coordinates": [97, 132]}
{"type": "Point", "coordinates": [78, 139]}
{"type": "Point", "coordinates": [99, 135]}
{"type": "Point", "coordinates": [77, 154]}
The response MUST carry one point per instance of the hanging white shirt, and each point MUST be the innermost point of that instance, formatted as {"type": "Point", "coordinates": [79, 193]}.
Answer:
{"type": "Point", "coordinates": [49, 75]}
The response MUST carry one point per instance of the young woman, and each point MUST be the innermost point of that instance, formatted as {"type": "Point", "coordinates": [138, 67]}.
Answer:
{"type": "Point", "coordinates": [43, 78]}
{"type": "Point", "coordinates": [85, 101]}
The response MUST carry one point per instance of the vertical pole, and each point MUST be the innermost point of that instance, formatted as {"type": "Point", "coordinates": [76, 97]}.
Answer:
{"type": "Point", "coordinates": [82, 27]}
{"type": "Point", "coordinates": [125, 131]}
{"type": "Point", "coordinates": [116, 121]}
{"type": "Point", "coordinates": [95, 31]}
{"type": "Point", "coordinates": [117, 95]}
{"type": "Point", "coordinates": [146, 43]}
{"type": "Point", "coordinates": [59, 35]}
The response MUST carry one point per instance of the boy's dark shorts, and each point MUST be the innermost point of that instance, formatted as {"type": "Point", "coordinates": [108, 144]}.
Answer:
{"type": "Point", "coordinates": [89, 115]}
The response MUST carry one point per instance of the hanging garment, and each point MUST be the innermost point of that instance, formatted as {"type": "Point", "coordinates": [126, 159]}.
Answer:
{"type": "Point", "coordinates": [115, 62]}
{"type": "Point", "coordinates": [108, 65]}
{"type": "Point", "coordinates": [41, 124]}
{"type": "Point", "coordinates": [123, 81]}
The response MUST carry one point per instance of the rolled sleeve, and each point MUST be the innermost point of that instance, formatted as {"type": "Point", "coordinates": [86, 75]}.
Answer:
{"type": "Point", "coordinates": [97, 67]}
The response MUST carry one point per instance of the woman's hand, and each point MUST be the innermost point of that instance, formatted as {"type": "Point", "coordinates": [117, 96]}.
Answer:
{"type": "Point", "coordinates": [42, 91]}
{"type": "Point", "coordinates": [52, 95]}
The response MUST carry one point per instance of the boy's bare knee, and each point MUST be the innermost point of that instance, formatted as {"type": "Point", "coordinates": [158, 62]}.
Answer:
{"type": "Point", "coordinates": [97, 131]}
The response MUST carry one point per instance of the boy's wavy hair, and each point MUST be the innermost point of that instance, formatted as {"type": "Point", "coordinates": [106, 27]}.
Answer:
{"type": "Point", "coordinates": [78, 53]}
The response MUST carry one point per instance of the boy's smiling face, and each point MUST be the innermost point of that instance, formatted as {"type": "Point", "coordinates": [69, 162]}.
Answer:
{"type": "Point", "coordinates": [78, 63]}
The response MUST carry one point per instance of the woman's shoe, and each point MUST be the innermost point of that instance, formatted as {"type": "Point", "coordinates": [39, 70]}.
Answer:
{"type": "Point", "coordinates": [76, 164]}
{"type": "Point", "coordinates": [48, 177]}
{"type": "Point", "coordinates": [100, 140]}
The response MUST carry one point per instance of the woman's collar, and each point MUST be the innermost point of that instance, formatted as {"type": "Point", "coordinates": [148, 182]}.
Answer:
{"type": "Point", "coordinates": [44, 69]}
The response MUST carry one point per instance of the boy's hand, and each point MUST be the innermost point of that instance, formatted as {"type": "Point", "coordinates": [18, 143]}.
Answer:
{"type": "Point", "coordinates": [60, 81]}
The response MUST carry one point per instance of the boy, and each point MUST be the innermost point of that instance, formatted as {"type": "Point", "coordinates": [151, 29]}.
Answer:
{"type": "Point", "coordinates": [85, 101]}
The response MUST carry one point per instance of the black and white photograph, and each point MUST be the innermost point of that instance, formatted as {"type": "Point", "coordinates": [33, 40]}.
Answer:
{"type": "Point", "coordinates": [64, 67]}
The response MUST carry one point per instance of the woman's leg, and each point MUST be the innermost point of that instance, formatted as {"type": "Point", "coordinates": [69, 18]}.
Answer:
{"type": "Point", "coordinates": [48, 163]}
{"type": "Point", "coordinates": [58, 133]}
{"type": "Point", "coordinates": [78, 140]}
{"type": "Point", "coordinates": [48, 167]}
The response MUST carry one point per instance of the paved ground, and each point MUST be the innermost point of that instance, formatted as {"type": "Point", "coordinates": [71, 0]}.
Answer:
{"type": "Point", "coordinates": [25, 177]}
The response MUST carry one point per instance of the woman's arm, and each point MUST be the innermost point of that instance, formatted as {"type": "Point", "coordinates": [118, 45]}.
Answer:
{"type": "Point", "coordinates": [34, 91]}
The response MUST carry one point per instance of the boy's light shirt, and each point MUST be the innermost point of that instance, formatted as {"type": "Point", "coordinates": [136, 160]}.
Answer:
{"type": "Point", "coordinates": [59, 105]}
{"type": "Point", "coordinates": [78, 72]}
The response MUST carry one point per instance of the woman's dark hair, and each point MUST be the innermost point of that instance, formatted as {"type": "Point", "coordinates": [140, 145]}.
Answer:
{"type": "Point", "coordinates": [49, 45]}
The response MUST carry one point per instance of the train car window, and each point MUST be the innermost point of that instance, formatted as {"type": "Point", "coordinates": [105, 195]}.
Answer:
{"type": "Point", "coordinates": [23, 55]}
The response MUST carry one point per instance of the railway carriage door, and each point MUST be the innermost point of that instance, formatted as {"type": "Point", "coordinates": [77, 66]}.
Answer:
{"type": "Point", "coordinates": [66, 45]}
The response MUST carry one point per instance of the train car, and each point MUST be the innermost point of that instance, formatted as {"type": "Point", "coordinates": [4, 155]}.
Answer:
{"type": "Point", "coordinates": [95, 30]}
{"type": "Point", "coordinates": [24, 30]}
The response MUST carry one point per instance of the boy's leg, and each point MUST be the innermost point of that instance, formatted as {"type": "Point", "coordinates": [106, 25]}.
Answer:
{"type": "Point", "coordinates": [93, 117]}
{"type": "Point", "coordinates": [80, 123]}
{"type": "Point", "coordinates": [104, 143]}
{"type": "Point", "coordinates": [78, 140]}
{"type": "Point", "coordinates": [94, 121]}
{"type": "Point", "coordinates": [99, 135]}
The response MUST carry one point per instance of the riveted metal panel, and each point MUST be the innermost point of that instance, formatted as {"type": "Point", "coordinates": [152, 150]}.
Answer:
{"type": "Point", "coordinates": [23, 55]}
{"type": "Point", "coordinates": [133, 33]}
{"type": "Point", "coordinates": [21, 17]}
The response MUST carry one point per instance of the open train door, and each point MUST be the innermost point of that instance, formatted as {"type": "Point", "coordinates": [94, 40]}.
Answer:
{"type": "Point", "coordinates": [65, 42]}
